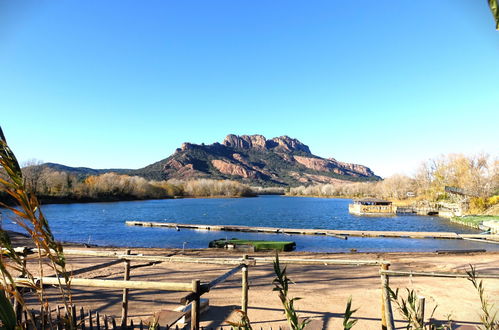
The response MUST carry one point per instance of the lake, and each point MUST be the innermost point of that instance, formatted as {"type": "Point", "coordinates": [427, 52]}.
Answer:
{"type": "Point", "coordinates": [104, 224]}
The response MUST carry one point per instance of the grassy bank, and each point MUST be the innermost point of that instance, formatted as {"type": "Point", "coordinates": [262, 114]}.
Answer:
{"type": "Point", "coordinates": [473, 221]}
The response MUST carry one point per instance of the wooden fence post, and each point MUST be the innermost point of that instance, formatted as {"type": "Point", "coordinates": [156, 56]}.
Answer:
{"type": "Point", "coordinates": [195, 305]}
{"type": "Point", "coordinates": [124, 306]}
{"type": "Point", "coordinates": [421, 303]}
{"type": "Point", "coordinates": [244, 273]}
{"type": "Point", "coordinates": [386, 305]}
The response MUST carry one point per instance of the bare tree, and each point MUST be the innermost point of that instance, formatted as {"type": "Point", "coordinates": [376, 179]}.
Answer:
{"type": "Point", "coordinates": [32, 171]}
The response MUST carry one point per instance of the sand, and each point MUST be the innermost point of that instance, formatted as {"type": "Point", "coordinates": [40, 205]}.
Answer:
{"type": "Point", "coordinates": [324, 289]}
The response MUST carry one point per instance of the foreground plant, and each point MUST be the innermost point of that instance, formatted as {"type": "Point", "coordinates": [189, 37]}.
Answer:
{"type": "Point", "coordinates": [28, 216]}
{"type": "Point", "coordinates": [347, 323]}
{"type": "Point", "coordinates": [487, 317]}
{"type": "Point", "coordinates": [411, 312]}
{"type": "Point", "coordinates": [281, 285]}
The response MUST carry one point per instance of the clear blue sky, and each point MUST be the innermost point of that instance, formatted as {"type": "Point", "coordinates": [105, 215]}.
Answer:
{"type": "Point", "coordinates": [116, 83]}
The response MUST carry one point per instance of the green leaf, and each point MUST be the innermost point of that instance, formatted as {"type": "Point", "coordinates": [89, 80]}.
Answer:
{"type": "Point", "coordinates": [7, 314]}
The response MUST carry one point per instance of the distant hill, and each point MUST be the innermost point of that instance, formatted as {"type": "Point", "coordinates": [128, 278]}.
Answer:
{"type": "Point", "coordinates": [252, 159]}
{"type": "Point", "coordinates": [82, 171]}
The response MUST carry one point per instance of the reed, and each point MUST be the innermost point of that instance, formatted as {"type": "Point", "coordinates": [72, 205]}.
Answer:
{"type": "Point", "coordinates": [411, 311]}
{"type": "Point", "coordinates": [347, 322]}
{"type": "Point", "coordinates": [488, 317]}
{"type": "Point", "coordinates": [27, 215]}
{"type": "Point", "coordinates": [281, 285]}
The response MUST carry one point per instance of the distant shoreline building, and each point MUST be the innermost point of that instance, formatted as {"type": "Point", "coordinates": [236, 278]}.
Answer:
{"type": "Point", "coordinates": [371, 206]}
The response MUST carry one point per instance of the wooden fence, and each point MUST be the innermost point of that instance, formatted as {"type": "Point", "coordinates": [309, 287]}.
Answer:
{"type": "Point", "coordinates": [195, 289]}
{"type": "Point", "coordinates": [386, 309]}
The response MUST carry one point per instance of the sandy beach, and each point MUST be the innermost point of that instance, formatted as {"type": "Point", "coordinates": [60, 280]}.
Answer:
{"type": "Point", "coordinates": [324, 289]}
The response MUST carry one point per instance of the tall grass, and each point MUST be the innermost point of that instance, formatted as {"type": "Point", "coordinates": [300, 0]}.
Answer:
{"type": "Point", "coordinates": [410, 310]}
{"type": "Point", "coordinates": [27, 215]}
{"type": "Point", "coordinates": [487, 316]}
{"type": "Point", "coordinates": [281, 285]}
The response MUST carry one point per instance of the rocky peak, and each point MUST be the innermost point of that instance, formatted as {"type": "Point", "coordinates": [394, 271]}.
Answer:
{"type": "Point", "coordinates": [245, 141]}
{"type": "Point", "coordinates": [285, 143]}
{"type": "Point", "coordinates": [282, 143]}
{"type": "Point", "coordinates": [256, 160]}
{"type": "Point", "coordinates": [186, 146]}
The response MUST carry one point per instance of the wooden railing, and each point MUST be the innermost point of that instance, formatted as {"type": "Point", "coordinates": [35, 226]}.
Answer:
{"type": "Point", "coordinates": [195, 289]}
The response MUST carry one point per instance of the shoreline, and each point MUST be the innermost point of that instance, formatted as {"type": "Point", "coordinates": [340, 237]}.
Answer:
{"type": "Point", "coordinates": [64, 200]}
{"type": "Point", "coordinates": [21, 240]}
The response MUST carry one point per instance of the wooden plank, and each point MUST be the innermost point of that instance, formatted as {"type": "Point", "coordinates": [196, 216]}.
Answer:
{"type": "Point", "coordinates": [195, 305]}
{"type": "Point", "coordinates": [223, 277]}
{"type": "Point", "coordinates": [461, 251]}
{"type": "Point", "coordinates": [228, 261]}
{"type": "Point", "coordinates": [433, 274]}
{"type": "Point", "coordinates": [244, 289]}
{"type": "Point", "coordinates": [321, 261]}
{"type": "Point", "coordinates": [420, 309]}
{"type": "Point", "coordinates": [124, 301]}
{"type": "Point", "coordinates": [387, 321]}
{"type": "Point", "coordinates": [217, 261]}
{"type": "Point", "coordinates": [191, 296]}
{"type": "Point", "coordinates": [113, 284]}
{"type": "Point", "coordinates": [481, 240]}
{"type": "Point", "coordinates": [204, 305]}
{"type": "Point", "coordinates": [91, 253]}
{"type": "Point", "coordinates": [303, 231]}
{"type": "Point", "coordinates": [335, 235]}
{"type": "Point", "coordinates": [167, 317]}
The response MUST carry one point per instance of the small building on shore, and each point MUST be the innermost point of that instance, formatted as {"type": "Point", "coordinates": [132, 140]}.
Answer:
{"type": "Point", "coordinates": [372, 206]}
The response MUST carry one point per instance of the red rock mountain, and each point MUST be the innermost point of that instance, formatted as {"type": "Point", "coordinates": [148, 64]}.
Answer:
{"type": "Point", "coordinates": [253, 159]}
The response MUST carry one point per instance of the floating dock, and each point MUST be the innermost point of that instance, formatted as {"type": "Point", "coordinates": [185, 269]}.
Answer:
{"type": "Point", "coordinates": [325, 232]}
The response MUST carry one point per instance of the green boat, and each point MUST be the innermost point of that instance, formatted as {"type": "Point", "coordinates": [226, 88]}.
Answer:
{"type": "Point", "coordinates": [258, 245]}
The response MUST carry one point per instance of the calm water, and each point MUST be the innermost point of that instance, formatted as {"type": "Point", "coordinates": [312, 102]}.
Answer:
{"type": "Point", "coordinates": [104, 223]}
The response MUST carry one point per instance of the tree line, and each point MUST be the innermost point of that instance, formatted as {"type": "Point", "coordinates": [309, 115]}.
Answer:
{"type": "Point", "coordinates": [477, 176]}
{"type": "Point", "coordinates": [52, 185]}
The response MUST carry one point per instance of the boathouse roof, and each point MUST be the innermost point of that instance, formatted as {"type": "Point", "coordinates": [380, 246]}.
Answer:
{"type": "Point", "coordinates": [372, 201]}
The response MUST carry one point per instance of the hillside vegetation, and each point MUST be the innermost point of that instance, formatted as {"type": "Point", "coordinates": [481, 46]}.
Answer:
{"type": "Point", "coordinates": [477, 176]}
{"type": "Point", "coordinates": [60, 186]}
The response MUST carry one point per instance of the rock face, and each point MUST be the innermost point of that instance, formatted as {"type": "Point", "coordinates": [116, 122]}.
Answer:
{"type": "Point", "coordinates": [253, 159]}
{"type": "Point", "coordinates": [233, 169]}
{"type": "Point", "coordinates": [328, 165]}
{"type": "Point", "coordinates": [245, 141]}
{"type": "Point", "coordinates": [282, 143]}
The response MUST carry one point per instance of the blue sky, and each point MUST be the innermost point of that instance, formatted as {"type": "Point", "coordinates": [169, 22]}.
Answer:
{"type": "Point", "coordinates": [116, 83]}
